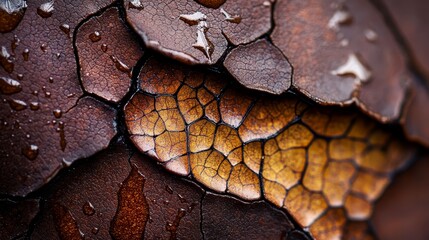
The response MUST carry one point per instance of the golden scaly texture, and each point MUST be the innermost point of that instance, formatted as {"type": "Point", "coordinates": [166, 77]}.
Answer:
{"type": "Point", "coordinates": [326, 167]}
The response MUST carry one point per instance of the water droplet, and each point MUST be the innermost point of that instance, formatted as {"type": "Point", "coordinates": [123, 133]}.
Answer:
{"type": "Point", "coordinates": [181, 198]}
{"type": "Point", "coordinates": [166, 202]}
{"type": "Point", "coordinates": [65, 28]}
{"type": "Point", "coordinates": [344, 43]}
{"type": "Point", "coordinates": [46, 9]}
{"type": "Point", "coordinates": [15, 43]}
{"type": "Point", "coordinates": [136, 4]}
{"type": "Point", "coordinates": [95, 36]}
{"type": "Point", "coordinates": [6, 60]}
{"type": "Point", "coordinates": [28, 136]}
{"type": "Point", "coordinates": [11, 14]}
{"type": "Point", "coordinates": [203, 43]}
{"type": "Point", "coordinates": [193, 19]}
{"type": "Point", "coordinates": [192, 206]}
{"type": "Point", "coordinates": [20, 76]}
{"type": "Point", "coordinates": [63, 142]}
{"type": "Point", "coordinates": [172, 227]}
{"type": "Point", "coordinates": [58, 113]}
{"type": "Point", "coordinates": [233, 19]}
{"type": "Point", "coordinates": [354, 67]}
{"type": "Point", "coordinates": [35, 92]}
{"type": "Point", "coordinates": [211, 3]}
{"type": "Point", "coordinates": [34, 106]}
{"type": "Point", "coordinates": [58, 55]}
{"type": "Point", "coordinates": [70, 95]}
{"type": "Point", "coordinates": [94, 230]}
{"type": "Point", "coordinates": [88, 209]}
{"type": "Point", "coordinates": [370, 35]}
{"type": "Point", "coordinates": [51, 79]}
{"type": "Point", "coordinates": [267, 3]}
{"type": "Point", "coordinates": [17, 105]}
{"type": "Point", "coordinates": [169, 189]}
{"type": "Point", "coordinates": [30, 152]}
{"type": "Point", "coordinates": [44, 47]}
{"type": "Point", "coordinates": [120, 65]}
{"type": "Point", "coordinates": [26, 54]}
{"type": "Point", "coordinates": [104, 47]}
{"type": "Point", "coordinates": [341, 16]}
{"type": "Point", "coordinates": [47, 94]}
{"type": "Point", "coordinates": [9, 86]}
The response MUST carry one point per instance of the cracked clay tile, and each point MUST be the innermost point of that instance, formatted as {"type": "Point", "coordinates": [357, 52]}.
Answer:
{"type": "Point", "coordinates": [107, 53]}
{"type": "Point", "coordinates": [43, 124]}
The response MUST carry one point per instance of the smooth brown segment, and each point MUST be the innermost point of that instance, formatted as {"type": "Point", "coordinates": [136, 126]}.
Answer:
{"type": "Point", "coordinates": [342, 53]}
{"type": "Point", "coordinates": [323, 166]}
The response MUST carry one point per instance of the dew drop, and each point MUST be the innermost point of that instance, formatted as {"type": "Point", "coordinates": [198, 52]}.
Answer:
{"type": "Point", "coordinates": [169, 189]}
{"type": "Point", "coordinates": [267, 3]}
{"type": "Point", "coordinates": [46, 9]}
{"type": "Point", "coordinates": [193, 19]}
{"type": "Point", "coordinates": [47, 94]}
{"type": "Point", "coordinates": [30, 152]}
{"type": "Point", "coordinates": [63, 142]}
{"type": "Point", "coordinates": [65, 28]}
{"type": "Point", "coordinates": [172, 227]}
{"type": "Point", "coordinates": [11, 14]}
{"type": "Point", "coordinates": [104, 47]}
{"type": "Point", "coordinates": [44, 47]}
{"type": "Point", "coordinates": [95, 36]}
{"type": "Point", "coordinates": [70, 95]}
{"type": "Point", "coordinates": [35, 92]}
{"type": "Point", "coordinates": [58, 55]}
{"type": "Point", "coordinates": [354, 67]}
{"type": "Point", "coordinates": [233, 19]}
{"type": "Point", "coordinates": [9, 86]}
{"type": "Point", "coordinates": [17, 105]}
{"type": "Point", "coordinates": [34, 106]}
{"type": "Point", "coordinates": [341, 16]}
{"type": "Point", "coordinates": [370, 35]}
{"type": "Point", "coordinates": [120, 65]}
{"type": "Point", "coordinates": [211, 3]}
{"type": "Point", "coordinates": [136, 4]}
{"type": "Point", "coordinates": [6, 60]}
{"type": "Point", "coordinates": [203, 43]}
{"type": "Point", "coordinates": [20, 76]}
{"type": "Point", "coordinates": [94, 230]}
{"type": "Point", "coordinates": [51, 79]}
{"type": "Point", "coordinates": [58, 113]}
{"type": "Point", "coordinates": [181, 198]}
{"type": "Point", "coordinates": [15, 43]}
{"type": "Point", "coordinates": [26, 54]}
{"type": "Point", "coordinates": [88, 209]}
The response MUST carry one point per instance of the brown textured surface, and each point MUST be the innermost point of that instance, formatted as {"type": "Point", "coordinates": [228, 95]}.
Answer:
{"type": "Point", "coordinates": [416, 113]}
{"type": "Point", "coordinates": [48, 83]}
{"type": "Point", "coordinates": [95, 199]}
{"type": "Point", "coordinates": [411, 18]}
{"type": "Point", "coordinates": [404, 205]}
{"type": "Point", "coordinates": [161, 28]}
{"type": "Point", "coordinates": [324, 166]}
{"type": "Point", "coordinates": [256, 220]}
{"type": "Point", "coordinates": [99, 73]}
{"type": "Point", "coordinates": [314, 50]}
{"type": "Point", "coordinates": [16, 216]}
{"type": "Point", "coordinates": [260, 66]}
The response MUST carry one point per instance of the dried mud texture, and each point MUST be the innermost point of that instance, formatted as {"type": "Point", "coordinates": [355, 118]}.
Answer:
{"type": "Point", "coordinates": [116, 196]}
{"type": "Point", "coordinates": [260, 66]}
{"type": "Point", "coordinates": [107, 52]}
{"type": "Point", "coordinates": [194, 34]}
{"type": "Point", "coordinates": [324, 166]}
{"type": "Point", "coordinates": [404, 205]}
{"type": "Point", "coordinates": [16, 216]}
{"type": "Point", "coordinates": [342, 54]}
{"type": "Point", "coordinates": [42, 121]}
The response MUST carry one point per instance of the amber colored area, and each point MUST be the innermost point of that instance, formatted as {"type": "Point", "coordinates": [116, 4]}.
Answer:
{"type": "Point", "coordinates": [323, 166]}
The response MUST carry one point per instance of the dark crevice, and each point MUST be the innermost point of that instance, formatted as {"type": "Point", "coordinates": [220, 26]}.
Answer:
{"type": "Point", "coordinates": [201, 215]}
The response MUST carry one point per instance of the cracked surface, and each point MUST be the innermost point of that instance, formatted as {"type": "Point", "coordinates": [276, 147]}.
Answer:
{"type": "Point", "coordinates": [42, 121]}
{"type": "Point", "coordinates": [91, 196]}
{"type": "Point", "coordinates": [300, 170]}
{"type": "Point", "coordinates": [107, 52]}
{"type": "Point", "coordinates": [318, 38]}
{"type": "Point", "coordinates": [323, 166]}
{"type": "Point", "coordinates": [162, 28]}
